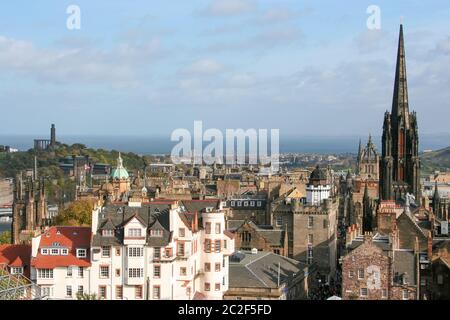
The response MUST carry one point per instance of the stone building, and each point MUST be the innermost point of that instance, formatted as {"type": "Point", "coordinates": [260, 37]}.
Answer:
{"type": "Point", "coordinates": [311, 226]}
{"type": "Point", "coordinates": [368, 161]}
{"type": "Point", "coordinates": [263, 238]}
{"type": "Point", "coordinates": [375, 270]}
{"type": "Point", "coordinates": [29, 208]}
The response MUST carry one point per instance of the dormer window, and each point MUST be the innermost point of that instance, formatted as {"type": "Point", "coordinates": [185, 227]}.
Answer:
{"type": "Point", "coordinates": [81, 253]}
{"type": "Point", "coordinates": [64, 252]}
{"type": "Point", "coordinates": [156, 233]}
{"type": "Point", "coordinates": [44, 252]}
{"type": "Point", "coordinates": [54, 252]}
{"type": "Point", "coordinates": [108, 233]}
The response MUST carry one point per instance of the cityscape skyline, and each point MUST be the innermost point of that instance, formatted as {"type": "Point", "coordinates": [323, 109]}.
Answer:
{"type": "Point", "coordinates": [268, 65]}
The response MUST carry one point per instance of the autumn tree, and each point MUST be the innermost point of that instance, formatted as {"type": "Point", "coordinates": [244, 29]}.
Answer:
{"type": "Point", "coordinates": [78, 213]}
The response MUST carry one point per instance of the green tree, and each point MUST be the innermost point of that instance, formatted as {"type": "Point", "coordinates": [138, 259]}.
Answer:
{"type": "Point", "coordinates": [5, 237]}
{"type": "Point", "coordinates": [78, 213]}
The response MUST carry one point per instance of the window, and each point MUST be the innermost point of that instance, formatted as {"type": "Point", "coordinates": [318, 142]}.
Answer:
{"type": "Point", "coordinates": [325, 224]}
{"type": "Point", "coordinates": [207, 267]}
{"type": "Point", "coordinates": [183, 271]}
{"type": "Point", "coordinates": [224, 244]}
{"type": "Point", "coordinates": [405, 295]}
{"type": "Point", "coordinates": [252, 203]}
{"type": "Point", "coordinates": [102, 292]}
{"type": "Point", "coordinates": [47, 291]}
{"type": "Point", "coordinates": [117, 272]}
{"type": "Point", "coordinates": [81, 272]}
{"type": "Point", "coordinates": [233, 203]}
{"type": "Point", "coordinates": [180, 251]}
{"type": "Point", "coordinates": [157, 253]}
{"type": "Point", "coordinates": [217, 246]}
{"type": "Point", "coordinates": [108, 233]}
{"type": "Point", "coordinates": [45, 273]}
{"type": "Point", "coordinates": [119, 292]}
{"type": "Point", "coordinates": [138, 292]}
{"type": "Point", "coordinates": [54, 252]}
{"type": "Point", "coordinates": [239, 203]}
{"type": "Point", "coordinates": [168, 252]}
{"type": "Point", "coordinates": [44, 252]}
{"type": "Point", "coordinates": [217, 286]}
{"type": "Point", "coordinates": [104, 271]}
{"type": "Point", "coordinates": [208, 227]}
{"type": "Point", "coordinates": [68, 291]}
{"type": "Point", "coordinates": [310, 254]}
{"type": "Point", "coordinates": [64, 252]}
{"type": "Point", "coordinates": [279, 221]}
{"type": "Point", "coordinates": [106, 252]}
{"type": "Point", "coordinates": [181, 232]}
{"type": "Point", "coordinates": [363, 292]}
{"type": "Point", "coordinates": [440, 279]}
{"type": "Point", "coordinates": [351, 274]}
{"type": "Point", "coordinates": [16, 270]}
{"type": "Point", "coordinates": [134, 232]}
{"type": "Point", "coordinates": [69, 271]}
{"type": "Point", "coordinates": [207, 245]}
{"type": "Point", "coordinates": [310, 238]}
{"type": "Point", "coordinates": [217, 267]}
{"type": "Point", "coordinates": [156, 233]}
{"type": "Point", "coordinates": [246, 236]}
{"type": "Point", "coordinates": [218, 228]}
{"type": "Point", "coordinates": [81, 253]}
{"type": "Point", "coordinates": [245, 203]}
{"type": "Point", "coordinates": [80, 290]}
{"type": "Point", "coordinates": [117, 251]}
{"type": "Point", "coordinates": [384, 293]}
{"type": "Point", "coordinates": [258, 203]}
{"type": "Point", "coordinates": [310, 222]}
{"type": "Point", "coordinates": [135, 252]}
{"type": "Point", "coordinates": [135, 272]}
{"type": "Point", "coordinates": [360, 273]}
{"type": "Point", "coordinates": [207, 286]}
{"type": "Point", "coordinates": [156, 292]}
{"type": "Point", "coordinates": [156, 271]}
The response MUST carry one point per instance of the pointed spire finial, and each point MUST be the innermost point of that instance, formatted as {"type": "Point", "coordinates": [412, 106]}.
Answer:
{"type": "Point", "coordinates": [400, 99]}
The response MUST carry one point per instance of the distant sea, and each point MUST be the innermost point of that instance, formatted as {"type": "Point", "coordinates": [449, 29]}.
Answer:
{"type": "Point", "coordinates": [163, 145]}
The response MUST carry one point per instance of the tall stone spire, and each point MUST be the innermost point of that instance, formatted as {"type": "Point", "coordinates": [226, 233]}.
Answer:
{"type": "Point", "coordinates": [400, 162]}
{"type": "Point", "coordinates": [367, 211]}
{"type": "Point", "coordinates": [436, 200]}
{"type": "Point", "coordinates": [400, 99]}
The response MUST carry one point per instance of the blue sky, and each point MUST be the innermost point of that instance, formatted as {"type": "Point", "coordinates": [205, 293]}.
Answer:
{"type": "Point", "coordinates": [148, 67]}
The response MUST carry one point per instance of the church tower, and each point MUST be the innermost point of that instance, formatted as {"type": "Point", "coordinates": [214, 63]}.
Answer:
{"type": "Point", "coordinates": [400, 164]}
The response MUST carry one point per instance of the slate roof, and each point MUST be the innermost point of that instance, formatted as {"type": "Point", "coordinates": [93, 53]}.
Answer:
{"type": "Point", "coordinates": [154, 215]}
{"type": "Point", "coordinates": [261, 270]}
{"type": "Point", "coordinates": [200, 205]}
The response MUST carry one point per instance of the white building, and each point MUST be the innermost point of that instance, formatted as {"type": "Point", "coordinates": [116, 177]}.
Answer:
{"type": "Point", "coordinates": [60, 262]}
{"type": "Point", "coordinates": [318, 188]}
{"type": "Point", "coordinates": [158, 250]}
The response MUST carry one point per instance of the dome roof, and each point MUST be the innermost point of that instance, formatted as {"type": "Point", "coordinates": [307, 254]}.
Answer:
{"type": "Point", "coordinates": [119, 173]}
{"type": "Point", "coordinates": [318, 174]}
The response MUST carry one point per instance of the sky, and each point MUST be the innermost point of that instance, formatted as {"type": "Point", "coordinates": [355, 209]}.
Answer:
{"type": "Point", "coordinates": [142, 67]}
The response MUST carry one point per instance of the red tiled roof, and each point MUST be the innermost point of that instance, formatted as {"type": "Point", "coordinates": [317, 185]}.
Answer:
{"type": "Point", "coordinates": [16, 255]}
{"type": "Point", "coordinates": [71, 238]}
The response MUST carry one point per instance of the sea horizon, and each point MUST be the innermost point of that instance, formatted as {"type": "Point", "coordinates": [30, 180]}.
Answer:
{"type": "Point", "coordinates": [151, 145]}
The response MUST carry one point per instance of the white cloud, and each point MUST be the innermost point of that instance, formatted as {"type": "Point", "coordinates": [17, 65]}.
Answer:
{"type": "Point", "coordinates": [204, 67]}
{"type": "Point", "coordinates": [86, 64]}
{"type": "Point", "coordinates": [230, 7]}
